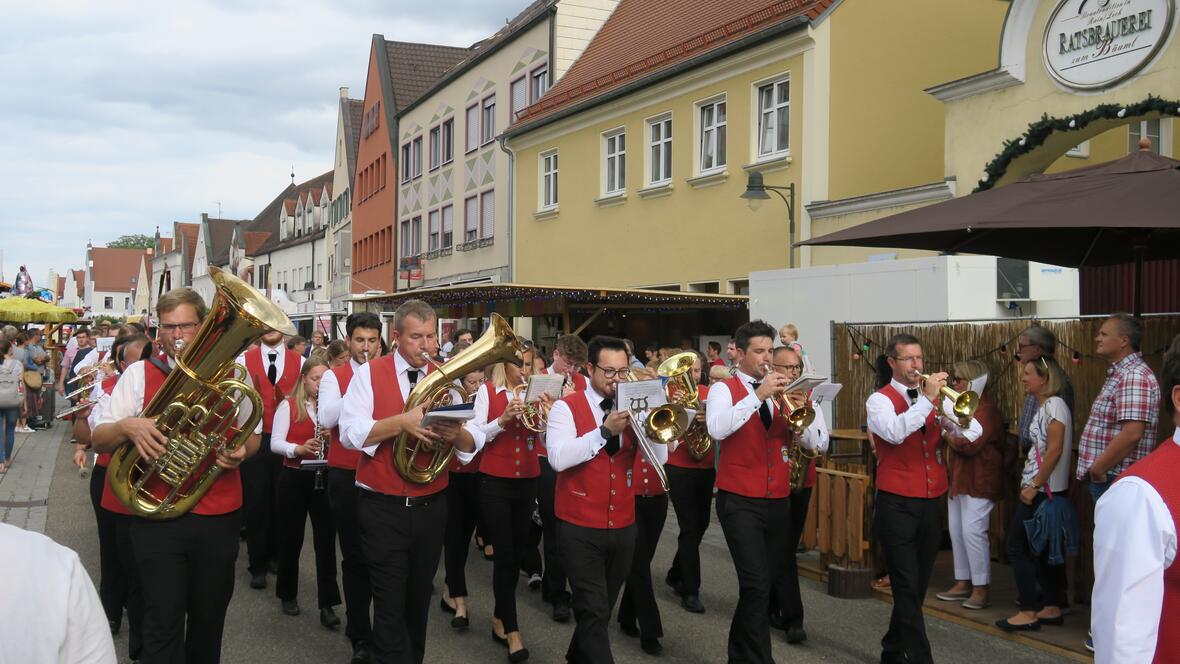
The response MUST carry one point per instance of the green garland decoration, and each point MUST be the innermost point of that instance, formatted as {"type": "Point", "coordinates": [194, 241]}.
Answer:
{"type": "Point", "coordinates": [1040, 130]}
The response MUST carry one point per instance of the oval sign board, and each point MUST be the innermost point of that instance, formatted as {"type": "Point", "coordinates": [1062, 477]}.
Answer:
{"type": "Point", "coordinates": [1094, 44]}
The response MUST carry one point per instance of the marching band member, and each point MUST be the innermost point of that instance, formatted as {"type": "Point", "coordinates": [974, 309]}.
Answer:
{"type": "Point", "coordinates": [402, 523]}
{"type": "Point", "coordinates": [274, 372]}
{"type": "Point", "coordinates": [569, 355]}
{"type": "Point", "coordinates": [753, 483]}
{"type": "Point", "coordinates": [911, 479]}
{"type": "Point", "coordinates": [592, 447]}
{"type": "Point", "coordinates": [364, 344]}
{"type": "Point", "coordinates": [186, 564]}
{"type": "Point", "coordinates": [299, 493]}
{"type": "Point", "coordinates": [690, 486]}
{"type": "Point", "coordinates": [508, 471]}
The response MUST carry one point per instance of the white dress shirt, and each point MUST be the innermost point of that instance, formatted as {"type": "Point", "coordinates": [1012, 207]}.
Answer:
{"type": "Point", "coordinates": [50, 611]}
{"type": "Point", "coordinates": [482, 402]}
{"type": "Point", "coordinates": [282, 426]}
{"type": "Point", "coordinates": [567, 449]}
{"type": "Point", "coordinates": [723, 417]}
{"type": "Point", "coordinates": [886, 424]}
{"type": "Point", "coordinates": [280, 359]}
{"type": "Point", "coordinates": [1134, 542]}
{"type": "Point", "coordinates": [100, 398]}
{"type": "Point", "coordinates": [330, 398]}
{"type": "Point", "coordinates": [127, 399]}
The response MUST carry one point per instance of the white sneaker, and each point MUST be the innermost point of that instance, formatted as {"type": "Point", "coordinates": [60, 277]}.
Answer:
{"type": "Point", "coordinates": [24, 430]}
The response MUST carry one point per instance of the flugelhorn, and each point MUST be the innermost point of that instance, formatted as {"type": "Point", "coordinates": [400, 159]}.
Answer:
{"type": "Point", "coordinates": [535, 416]}
{"type": "Point", "coordinates": [681, 389]}
{"type": "Point", "coordinates": [964, 402]}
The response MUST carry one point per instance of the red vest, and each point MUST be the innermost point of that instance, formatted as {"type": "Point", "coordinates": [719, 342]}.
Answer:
{"type": "Point", "coordinates": [272, 395]}
{"type": "Point", "coordinates": [681, 457]}
{"type": "Point", "coordinates": [915, 468]}
{"type": "Point", "coordinates": [340, 456]}
{"type": "Point", "coordinates": [511, 453]}
{"type": "Point", "coordinates": [299, 432]}
{"type": "Point", "coordinates": [753, 461]}
{"type": "Point", "coordinates": [644, 480]}
{"type": "Point", "coordinates": [1161, 469]}
{"type": "Point", "coordinates": [597, 493]}
{"type": "Point", "coordinates": [578, 379]}
{"type": "Point", "coordinates": [378, 472]}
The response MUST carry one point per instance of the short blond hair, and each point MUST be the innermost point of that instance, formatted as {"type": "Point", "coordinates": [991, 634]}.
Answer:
{"type": "Point", "coordinates": [177, 296]}
{"type": "Point", "coordinates": [416, 308]}
{"type": "Point", "coordinates": [718, 373]}
{"type": "Point", "coordinates": [790, 329]}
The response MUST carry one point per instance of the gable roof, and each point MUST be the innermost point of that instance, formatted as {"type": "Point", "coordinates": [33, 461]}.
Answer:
{"type": "Point", "coordinates": [60, 291]}
{"type": "Point", "coordinates": [414, 68]}
{"type": "Point", "coordinates": [353, 110]}
{"type": "Point", "coordinates": [643, 39]}
{"type": "Point", "coordinates": [113, 269]}
{"type": "Point", "coordinates": [267, 221]}
{"type": "Point", "coordinates": [189, 233]}
{"type": "Point", "coordinates": [165, 245]}
{"type": "Point", "coordinates": [254, 240]}
{"type": "Point", "coordinates": [79, 281]}
{"type": "Point", "coordinates": [220, 237]}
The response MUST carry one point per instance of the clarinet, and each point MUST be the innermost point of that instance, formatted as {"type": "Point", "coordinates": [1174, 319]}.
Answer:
{"type": "Point", "coordinates": [319, 471]}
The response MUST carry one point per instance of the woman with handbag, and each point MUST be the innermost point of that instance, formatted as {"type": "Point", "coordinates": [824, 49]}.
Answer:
{"type": "Point", "coordinates": [11, 377]}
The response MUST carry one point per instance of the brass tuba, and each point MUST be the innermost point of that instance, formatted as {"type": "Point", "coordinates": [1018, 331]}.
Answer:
{"type": "Point", "coordinates": [498, 344]}
{"type": "Point", "coordinates": [681, 389]}
{"type": "Point", "coordinates": [197, 406]}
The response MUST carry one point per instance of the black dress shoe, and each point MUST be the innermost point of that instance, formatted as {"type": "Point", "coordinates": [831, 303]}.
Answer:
{"type": "Point", "coordinates": [518, 656]}
{"type": "Point", "coordinates": [258, 581]}
{"type": "Point", "coordinates": [630, 630]}
{"type": "Point", "coordinates": [561, 611]}
{"type": "Point", "coordinates": [692, 603]}
{"type": "Point", "coordinates": [776, 621]}
{"type": "Point", "coordinates": [1058, 621]}
{"type": "Point", "coordinates": [290, 607]}
{"type": "Point", "coordinates": [796, 634]}
{"type": "Point", "coordinates": [651, 646]}
{"type": "Point", "coordinates": [1009, 627]}
{"type": "Point", "coordinates": [360, 653]}
{"type": "Point", "coordinates": [502, 640]}
{"type": "Point", "coordinates": [460, 622]}
{"type": "Point", "coordinates": [442, 604]}
{"type": "Point", "coordinates": [328, 618]}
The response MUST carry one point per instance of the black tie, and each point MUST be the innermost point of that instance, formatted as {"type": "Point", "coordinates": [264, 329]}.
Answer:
{"type": "Point", "coordinates": [912, 393]}
{"type": "Point", "coordinates": [763, 410]}
{"type": "Point", "coordinates": [612, 443]}
{"type": "Point", "coordinates": [412, 374]}
{"type": "Point", "coordinates": [272, 372]}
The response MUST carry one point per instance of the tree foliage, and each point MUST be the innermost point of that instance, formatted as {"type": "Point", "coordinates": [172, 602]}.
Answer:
{"type": "Point", "coordinates": [133, 241]}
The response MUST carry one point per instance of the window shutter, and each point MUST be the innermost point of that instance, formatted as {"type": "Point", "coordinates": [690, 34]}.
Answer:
{"type": "Point", "coordinates": [488, 221]}
{"type": "Point", "coordinates": [520, 93]}
{"type": "Point", "coordinates": [472, 137]}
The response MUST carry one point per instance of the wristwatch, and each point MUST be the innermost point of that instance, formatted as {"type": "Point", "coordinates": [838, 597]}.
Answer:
{"type": "Point", "coordinates": [606, 433]}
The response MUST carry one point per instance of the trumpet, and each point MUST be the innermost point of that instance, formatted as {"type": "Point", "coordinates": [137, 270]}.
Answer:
{"type": "Point", "coordinates": [798, 416]}
{"type": "Point", "coordinates": [964, 406]}
{"type": "Point", "coordinates": [88, 374]}
{"type": "Point", "coordinates": [80, 406]}
{"type": "Point", "coordinates": [536, 413]}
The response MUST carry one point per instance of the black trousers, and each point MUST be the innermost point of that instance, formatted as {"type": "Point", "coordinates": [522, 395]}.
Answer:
{"type": "Point", "coordinates": [134, 586]}
{"type": "Point", "coordinates": [530, 562]}
{"type": "Point", "coordinates": [790, 605]}
{"type": "Point", "coordinates": [187, 569]}
{"type": "Point", "coordinates": [112, 583]}
{"type": "Point", "coordinates": [402, 546]}
{"type": "Point", "coordinates": [691, 491]}
{"type": "Point", "coordinates": [296, 499]}
{"type": "Point", "coordinates": [259, 475]}
{"type": "Point", "coordinates": [598, 561]}
{"type": "Point", "coordinates": [462, 516]}
{"type": "Point", "coordinates": [639, 598]}
{"type": "Point", "coordinates": [1031, 569]}
{"type": "Point", "coordinates": [553, 583]}
{"type": "Point", "coordinates": [358, 597]}
{"type": "Point", "coordinates": [507, 505]}
{"type": "Point", "coordinates": [909, 530]}
{"type": "Point", "coordinates": [756, 532]}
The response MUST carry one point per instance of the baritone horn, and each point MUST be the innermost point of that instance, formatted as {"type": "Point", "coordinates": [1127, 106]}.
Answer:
{"type": "Point", "coordinates": [964, 402]}
{"type": "Point", "coordinates": [681, 389]}
{"type": "Point", "coordinates": [662, 425]}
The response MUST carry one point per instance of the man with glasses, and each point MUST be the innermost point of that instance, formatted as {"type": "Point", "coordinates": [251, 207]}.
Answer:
{"type": "Point", "coordinates": [592, 447]}
{"type": "Point", "coordinates": [186, 564]}
{"type": "Point", "coordinates": [1034, 343]}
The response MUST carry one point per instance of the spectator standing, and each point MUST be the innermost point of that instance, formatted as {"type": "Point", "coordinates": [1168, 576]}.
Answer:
{"type": "Point", "coordinates": [713, 353]}
{"type": "Point", "coordinates": [297, 345]}
{"type": "Point", "coordinates": [11, 396]}
{"type": "Point", "coordinates": [36, 375]}
{"type": "Point", "coordinates": [318, 340]}
{"type": "Point", "coordinates": [1034, 342]}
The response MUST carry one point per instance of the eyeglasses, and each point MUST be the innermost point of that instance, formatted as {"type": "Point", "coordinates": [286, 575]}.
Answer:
{"type": "Point", "coordinates": [184, 328]}
{"type": "Point", "coordinates": [790, 367]}
{"type": "Point", "coordinates": [612, 373]}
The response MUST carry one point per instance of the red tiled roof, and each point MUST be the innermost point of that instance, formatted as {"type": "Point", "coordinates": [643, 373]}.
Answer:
{"type": "Point", "coordinates": [289, 204]}
{"type": "Point", "coordinates": [114, 269]}
{"type": "Point", "coordinates": [165, 245]}
{"type": "Point", "coordinates": [61, 287]}
{"type": "Point", "coordinates": [189, 231]}
{"type": "Point", "coordinates": [328, 188]}
{"type": "Point", "coordinates": [643, 37]}
{"type": "Point", "coordinates": [255, 239]}
{"type": "Point", "coordinates": [79, 282]}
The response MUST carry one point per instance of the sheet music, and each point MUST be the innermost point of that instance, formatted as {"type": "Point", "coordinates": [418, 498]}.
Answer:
{"type": "Point", "coordinates": [640, 395]}
{"type": "Point", "coordinates": [544, 384]}
{"type": "Point", "coordinates": [806, 383]}
{"type": "Point", "coordinates": [825, 392]}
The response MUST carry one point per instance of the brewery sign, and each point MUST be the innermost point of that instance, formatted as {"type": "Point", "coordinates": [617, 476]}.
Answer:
{"type": "Point", "coordinates": [1095, 44]}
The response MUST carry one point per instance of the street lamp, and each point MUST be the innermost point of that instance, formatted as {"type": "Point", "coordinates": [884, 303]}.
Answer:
{"type": "Point", "coordinates": [755, 193]}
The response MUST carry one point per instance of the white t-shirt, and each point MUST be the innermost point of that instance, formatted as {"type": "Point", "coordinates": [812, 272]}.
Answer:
{"type": "Point", "coordinates": [1054, 408]}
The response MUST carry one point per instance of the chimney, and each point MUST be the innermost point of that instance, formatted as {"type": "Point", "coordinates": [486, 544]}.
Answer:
{"type": "Point", "coordinates": [344, 92]}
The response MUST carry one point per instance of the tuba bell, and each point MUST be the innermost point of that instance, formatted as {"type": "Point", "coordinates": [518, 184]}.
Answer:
{"type": "Point", "coordinates": [498, 344]}
{"type": "Point", "coordinates": [680, 389]}
{"type": "Point", "coordinates": [197, 406]}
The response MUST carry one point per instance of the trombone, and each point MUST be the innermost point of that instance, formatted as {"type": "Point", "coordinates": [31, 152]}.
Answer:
{"type": "Point", "coordinates": [964, 402]}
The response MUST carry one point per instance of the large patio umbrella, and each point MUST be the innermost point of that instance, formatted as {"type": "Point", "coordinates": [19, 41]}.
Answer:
{"type": "Point", "coordinates": [32, 310]}
{"type": "Point", "coordinates": [1122, 211]}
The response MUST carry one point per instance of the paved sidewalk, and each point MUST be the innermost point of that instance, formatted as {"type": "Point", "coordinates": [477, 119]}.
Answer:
{"type": "Point", "coordinates": [24, 489]}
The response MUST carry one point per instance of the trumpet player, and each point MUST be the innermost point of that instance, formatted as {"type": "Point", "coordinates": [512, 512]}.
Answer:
{"type": "Point", "coordinates": [753, 483]}
{"type": "Point", "coordinates": [186, 564]}
{"type": "Point", "coordinates": [911, 479]}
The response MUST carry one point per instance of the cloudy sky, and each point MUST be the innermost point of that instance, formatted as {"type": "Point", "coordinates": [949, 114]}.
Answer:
{"type": "Point", "coordinates": [117, 117]}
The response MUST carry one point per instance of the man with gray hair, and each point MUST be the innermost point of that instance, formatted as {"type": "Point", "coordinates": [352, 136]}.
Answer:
{"type": "Point", "coordinates": [1032, 344]}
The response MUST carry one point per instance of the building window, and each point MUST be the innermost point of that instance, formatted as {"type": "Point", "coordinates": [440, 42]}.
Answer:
{"type": "Point", "coordinates": [1149, 129]}
{"type": "Point", "coordinates": [549, 180]}
{"type": "Point", "coordinates": [108, 303]}
{"type": "Point", "coordinates": [406, 244]}
{"type": "Point", "coordinates": [519, 90]}
{"type": "Point", "coordinates": [471, 140]}
{"type": "Point", "coordinates": [659, 134]}
{"type": "Point", "coordinates": [539, 83]}
{"type": "Point", "coordinates": [487, 125]}
{"type": "Point", "coordinates": [405, 170]}
{"type": "Point", "coordinates": [435, 147]}
{"type": "Point", "coordinates": [433, 221]}
{"type": "Point", "coordinates": [713, 128]}
{"type": "Point", "coordinates": [448, 141]}
{"type": "Point", "coordinates": [616, 162]}
{"type": "Point", "coordinates": [417, 156]}
{"type": "Point", "coordinates": [470, 219]}
{"type": "Point", "coordinates": [487, 214]}
{"type": "Point", "coordinates": [416, 233]}
{"type": "Point", "coordinates": [448, 226]}
{"type": "Point", "coordinates": [774, 112]}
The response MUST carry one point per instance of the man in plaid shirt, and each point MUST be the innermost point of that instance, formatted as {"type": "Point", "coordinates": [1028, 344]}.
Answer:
{"type": "Point", "coordinates": [1123, 419]}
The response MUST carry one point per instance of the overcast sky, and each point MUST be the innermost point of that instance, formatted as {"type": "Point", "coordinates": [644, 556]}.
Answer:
{"type": "Point", "coordinates": [117, 117]}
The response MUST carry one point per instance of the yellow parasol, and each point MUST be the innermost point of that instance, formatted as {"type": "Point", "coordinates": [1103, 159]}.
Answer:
{"type": "Point", "coordinates": [26, 310]}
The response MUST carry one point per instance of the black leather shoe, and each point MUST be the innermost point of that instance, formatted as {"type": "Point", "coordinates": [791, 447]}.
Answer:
{"type": "Point", "coordinates": [502, 640]}
{"type": "Point", "coordinates": [561, 612]}
{"type": "Point", "coordinates": [328, 618]}
{"type": "Point", "coordinates": [776, 621]}
{"type": "Point", "coordinates": [518, 656]}
{"type": "Point", "coordinates": [651, 646]}
{"type": "Point", "coordinates": [258, 581]}
{"type": "Point", "coordinates": [1009, 627]}
{"type": "Point", "coordinates": [442, 604]}
{"type": "Point", "coordinates": [460, 622]}
{"type": "Point", "coordinates": [290, 607]}
{"type": "Point", "coordinates": [692, 603]}
{"type": "Point", "coordinates": [630, 630]}
{"type": "Point", "coordinates": [796, 634]}
{"type": "Point", "coordinates": [360, 653]}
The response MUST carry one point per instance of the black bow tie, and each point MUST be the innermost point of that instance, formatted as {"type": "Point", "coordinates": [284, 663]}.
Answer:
{"type": "Point", "coordinates": [912, 393]}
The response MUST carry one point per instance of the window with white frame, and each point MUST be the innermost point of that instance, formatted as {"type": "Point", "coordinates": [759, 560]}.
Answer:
{"type": "Point", "coordinates": [713, 134]}
{"type": "Point", "coordinates": [435, 231]}
{"type": "Point", "coordinates": [487, 125]}
{"type": "Point", "coordinates": [405, 165]}
{"type": "Point", "coordinates": [471, 139]}
{"type": "Point", "coordinates": [549, 180]}
{"type": "Point", "coordinates": [774, 117]}
{"type": "Point", "coordinates": [487, 214]}
{"type": "Point", "coordinates": [448, 226]}
{"type": "Point", "coordinates": [416, 234]}
{"type": "Point", "coordinates": [448, 140]}
{"type": "Point", "coordinates": [407, 246]}
{"type": "Point", "coordinates": [435, 147]}
{"type": "Point", "coordinates": [538, 83]}
{"type": "Point", "coordinates": [519, 89]}
{"type": "Point", "coordinates": [471, 219]}
{"type": "Point", "coordinates": [615, 150]}
{"type": "Point", "coordinates": [417, 156]}
{"type": "Point", "coordinates": [659, 136]}
{"type": "Point", "coordinates": [1149, 129]}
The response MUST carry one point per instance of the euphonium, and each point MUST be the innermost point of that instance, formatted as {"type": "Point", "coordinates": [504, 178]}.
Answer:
{"type": "Point", "coordinates": [681, 389]}
{"type": "Point", "coordinates": [965, 403]}
{"type": "Point", "coordinates": [496, 345]}
{"type": "Point", "coordinates": [662, 425]}
{"type": "Point", "coordinates": [197, 406]}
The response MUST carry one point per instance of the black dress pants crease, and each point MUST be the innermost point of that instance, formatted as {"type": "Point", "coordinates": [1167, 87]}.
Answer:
{"type": "Point", "coordinates": [463, 507]}
{"type": "Point", "coordinates": [186, 566]}
{"type": "Point", "coordinates": [507, 513]}
{"type": "Point", "coordinates": [296, 500]}
{"type": "Point", "coordinates": [112, 582]}
{"type": "Point", "coordinates": [259, 476]}
{"type": "Point", "coordinates": [756, 532]}
{"type": "Point", "coordinates": [553, 583]}
{"type": "Point", "coordinates": [342, 498]}
{"type": "Point", "coordinates": [639, 599]}
{"type": "Point", "coordinates": [790, 605]}
{"type": "Point", "coordinates": [402, 548]}
{"type": "Point", "coordinates": [909, 530]}
{"type": "Point", "coordinates": [691, 491]}
{"type": "Point", "coordinates": [1031, 569]}
{"type": "Point", "coordinates": [597, 560]}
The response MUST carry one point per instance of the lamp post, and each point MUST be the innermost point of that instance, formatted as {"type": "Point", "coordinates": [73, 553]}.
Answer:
{"type": "Point", "coordinates": [755, 193]}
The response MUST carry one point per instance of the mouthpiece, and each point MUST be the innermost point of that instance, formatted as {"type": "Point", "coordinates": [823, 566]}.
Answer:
{"type": "Point", "coordinates": [178, 345]}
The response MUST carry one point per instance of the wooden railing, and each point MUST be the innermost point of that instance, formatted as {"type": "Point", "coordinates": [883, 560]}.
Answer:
{"type": "Point", "coordinates": [838, 516]}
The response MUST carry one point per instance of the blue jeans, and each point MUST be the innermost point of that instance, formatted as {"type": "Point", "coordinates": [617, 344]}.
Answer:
{"type": "Point", "coordinates": [1097, 489]}
{"type": "Point", "coordinates": [8, 417]}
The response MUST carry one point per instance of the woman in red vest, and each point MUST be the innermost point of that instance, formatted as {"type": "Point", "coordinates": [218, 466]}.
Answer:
{"type": "Point", "coordinates": [300, 493]}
